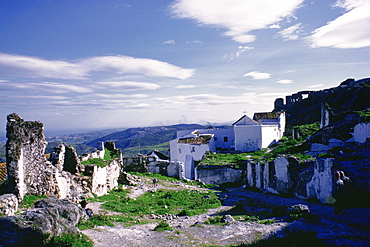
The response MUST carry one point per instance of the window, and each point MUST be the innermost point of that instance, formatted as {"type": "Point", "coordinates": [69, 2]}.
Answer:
{"type": "Point", "coordinates": [179, 150]}
{"type": "Point", "coordinates": [192, 149]}
{"type": "Point", "coordinates": [226, 139]}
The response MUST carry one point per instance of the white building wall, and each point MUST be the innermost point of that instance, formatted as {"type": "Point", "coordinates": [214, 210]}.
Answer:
{"type": "Point", "coordinates": [270, 134]}
{"type": "Point", "coordinates": [248, 137]}
{"type": "Point", "coordinates": [282, 124]}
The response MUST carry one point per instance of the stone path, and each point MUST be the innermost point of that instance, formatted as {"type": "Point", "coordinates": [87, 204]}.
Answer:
{"type": "Point", "coordinates": [348, 229]}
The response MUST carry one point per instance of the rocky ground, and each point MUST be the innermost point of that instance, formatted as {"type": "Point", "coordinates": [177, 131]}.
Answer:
{"type": "Point", "coordinates": [351, 228]}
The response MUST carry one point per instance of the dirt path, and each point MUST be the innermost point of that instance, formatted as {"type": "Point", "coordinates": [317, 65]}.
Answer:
{"type": "Point", "coordinates": [348, 229]}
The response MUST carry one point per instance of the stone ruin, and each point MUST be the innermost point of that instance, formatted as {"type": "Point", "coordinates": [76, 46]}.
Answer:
{"type": "Point", "coordinates": [62, 175]}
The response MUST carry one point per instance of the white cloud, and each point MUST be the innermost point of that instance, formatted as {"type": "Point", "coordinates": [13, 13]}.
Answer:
{"type": "Point", "coordinates": [258, 75]}
{"type": "Point", "coordinates": [316, 86]}
{"type": "Point", "coordinates": [131, 65]}
{"type": "Point", "coordinates": [186, 86]}
{"type": "Point", "coordinates": [32, 67]}
{"type": "Point", "coordinates": [25, 66]}
{"type": "Point", "coordinates": [239, 17]}
{"type": "Point", "coordinates": [194, 42]}
{"type": "Point", "coordinates": [121, 96]}
{"type": "Point", "coordinates": [284, 81]}
{"type": "Point", "coordinates": [350, 30]}
{"type": "Point", "coordinates": [291, 33]}
{"type": "Point", "coordinates": [277, 26]}
{"type": "Point", "coordinates": [169, 42]}
{"type": "Point", "coordinates": [50, 87]}
{"type": "Point", "coordinates": [129, 85]}
{"type": "Point", "coordinates": [238, 53]}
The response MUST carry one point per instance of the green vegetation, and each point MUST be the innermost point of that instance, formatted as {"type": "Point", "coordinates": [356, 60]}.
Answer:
{"type": "Point", "coordinates": [70, 240]}
{"type": "Point", "coordinates": [113, 195]}
{"type": "Point", "coordinates": [108, 157]}
{"type": "Point", "coordinates": [365, 115]}
{"type": "Point", "coordinates": [216, 220]}
{"type": "Point", "coordinates": [29, 201]}
{"type": "Point", "coordinates": [286, 145]}
{"type": "Point", "coordinates": [97, 161]}
{"type": "Point", "coordinates": [165, 202]}
{"type": "Point", "coordinates": [162, 226]}
{"type": "Point", "coordinates": [185, 202]}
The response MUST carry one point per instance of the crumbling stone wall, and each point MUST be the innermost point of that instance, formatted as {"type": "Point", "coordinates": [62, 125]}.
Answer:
{"type": "Point", "coordinates": [63, 176]}
{"type": "Point", "coordinates": [8, 204]}
{"type": "Point", "coordinates": [312, 179]}
{"type": "Point", "coordinates": [219, 174]}
{"type": "Point", "coordinates": [144, 163]}
{"type": "Point", "coordinates": [25, 157]}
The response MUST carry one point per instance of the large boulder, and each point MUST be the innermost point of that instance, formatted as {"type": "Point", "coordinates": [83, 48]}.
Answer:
{"type": "Point", "coordinates": [50, 217]}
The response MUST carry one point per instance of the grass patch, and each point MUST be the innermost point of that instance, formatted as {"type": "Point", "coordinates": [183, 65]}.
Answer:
{"type": "Point", "coordinates": [95, 220]}
{"type": "Point", "coordinates": [109, 220]}
{"type": "Point", "coordinates": [253, 218]}
{"type": "Point", "coordinates": [286, 145]}
{"type": "Point", "coordinates": [163, 226]}
{"type": "Point", "coordinates": [29, 200]}
{"type": "Point", "coordinates": [70, 240]}
{"type": "Point", "coordinates": [216, 220]}
{"type": "Point", "coordinates": [108, 157]}
{"type": "Point", "coordinates": [165, 201]}
{"type": "Point", "coordinates": [96, 161]}
{"type": "Point", "coordinates": [113, 195]}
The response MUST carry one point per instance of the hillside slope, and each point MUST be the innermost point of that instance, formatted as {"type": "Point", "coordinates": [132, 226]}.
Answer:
{"type": "Point", "coordinates": [144, 136]}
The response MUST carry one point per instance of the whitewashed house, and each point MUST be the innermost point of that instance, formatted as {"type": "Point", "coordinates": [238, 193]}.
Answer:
{"type": "Point", "coordinates": [246, 135]}
{"type": "Point", "coordinates": [190, 148]}
{"type": "Point", "coordinates": [260, 132]}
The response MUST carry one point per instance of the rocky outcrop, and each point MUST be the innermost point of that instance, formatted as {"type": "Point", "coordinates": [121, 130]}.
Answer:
{"type": "Point", "coordinates": [349, 95]}
{"type": "Point", "coordinates": [50, 217]}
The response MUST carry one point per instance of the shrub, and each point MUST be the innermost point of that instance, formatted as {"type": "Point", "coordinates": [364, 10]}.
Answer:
{"type": "Point", "coordinates": [162, 226]}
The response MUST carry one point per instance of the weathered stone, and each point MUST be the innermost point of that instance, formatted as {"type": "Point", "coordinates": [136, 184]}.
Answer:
{"type": "Point", "coordinates": [227, 219]}
{"type": "Point", "coordinates": [219, 174]}
{"type": "Point", "coordinates": [127, 179]}
{"type": "Point", "coordinates": [25, 156]}
{"type": "Point", "coordinates": [8, 204]}
{"type": "Point", "coordinates": [51, 217]}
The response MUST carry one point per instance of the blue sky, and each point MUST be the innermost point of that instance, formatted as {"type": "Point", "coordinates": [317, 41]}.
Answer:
{"type": "Point", "coordinates": [100, 64]}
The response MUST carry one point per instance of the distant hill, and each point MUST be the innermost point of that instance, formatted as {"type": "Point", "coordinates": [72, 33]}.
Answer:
{"type": "Point", "coordinates": [134, 139]}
